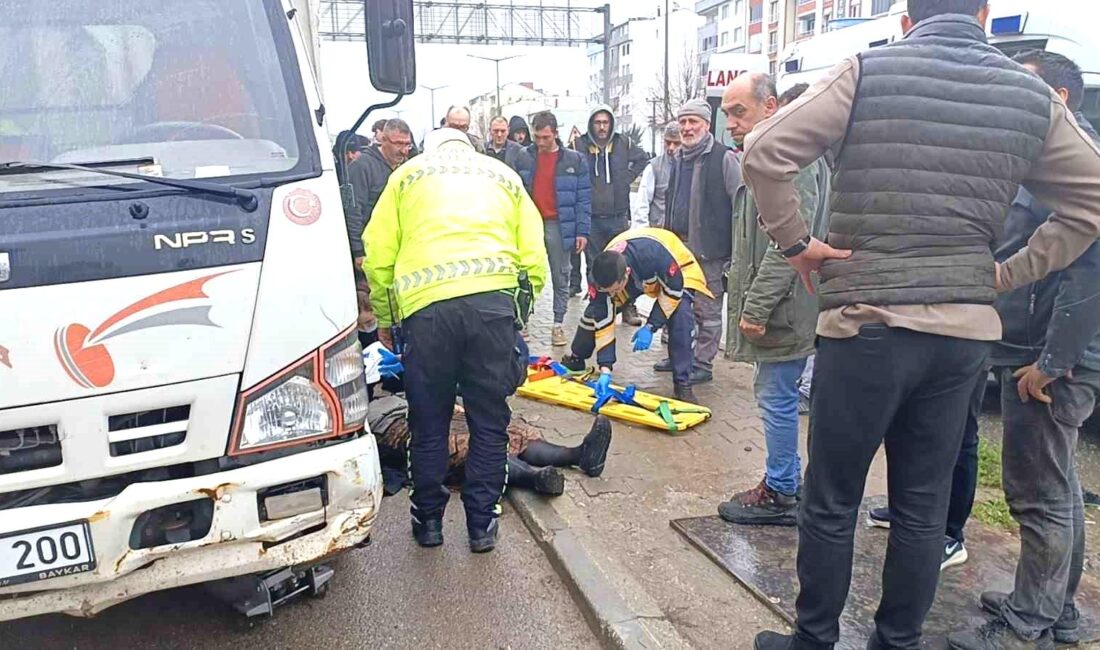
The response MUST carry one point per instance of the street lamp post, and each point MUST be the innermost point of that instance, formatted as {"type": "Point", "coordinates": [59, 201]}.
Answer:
{"type": "Point", "coordinates": [496, 60]}
{"type": "Point", "coordinates": [432, 90]}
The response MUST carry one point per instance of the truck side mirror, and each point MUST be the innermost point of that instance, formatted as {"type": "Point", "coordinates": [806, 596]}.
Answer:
{"type": "Point", "coordinates": [390, 51]}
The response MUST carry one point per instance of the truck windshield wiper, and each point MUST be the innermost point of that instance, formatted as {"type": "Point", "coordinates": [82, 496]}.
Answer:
{"type": "Point", "coordinates": [247, 199]}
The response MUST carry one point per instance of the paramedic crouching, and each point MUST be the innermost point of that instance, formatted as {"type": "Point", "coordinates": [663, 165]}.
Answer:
{"type": "Point", "coordinates": [450, 236]}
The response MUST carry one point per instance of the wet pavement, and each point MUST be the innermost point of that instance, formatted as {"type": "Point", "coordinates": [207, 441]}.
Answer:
{"type": "Point", "coordinates": [389, 595]}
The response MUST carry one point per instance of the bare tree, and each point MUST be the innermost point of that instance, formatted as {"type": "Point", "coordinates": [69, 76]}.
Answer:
{"type": "Point", "coordinates": [685, 82]}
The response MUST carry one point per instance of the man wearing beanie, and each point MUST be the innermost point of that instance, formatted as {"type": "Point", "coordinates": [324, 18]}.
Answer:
{"type": "Point", "coordinates": [651, 209]}
{"type": "Point", "coordinates": [703, 180]}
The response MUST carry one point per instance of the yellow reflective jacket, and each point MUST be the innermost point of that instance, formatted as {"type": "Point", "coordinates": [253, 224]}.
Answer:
{"type": "Point", "coordinates": [450, 223]}
{"type": "Point", "coordinates": [693, 273]}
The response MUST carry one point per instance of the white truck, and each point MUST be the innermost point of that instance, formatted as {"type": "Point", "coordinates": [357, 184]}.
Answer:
{"type": "Point", "coordinates": [1061, 26]}
{"type": "Point", "coordinates": [181, 386]}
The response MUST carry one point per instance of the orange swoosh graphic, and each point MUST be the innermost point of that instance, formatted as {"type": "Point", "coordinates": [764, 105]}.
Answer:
{"type": "Point", "coordinates": [186, 291]}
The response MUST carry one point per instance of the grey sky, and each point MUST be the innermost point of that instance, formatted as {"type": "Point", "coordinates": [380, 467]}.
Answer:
{"type": "Point", "coordinates": [348, 91]}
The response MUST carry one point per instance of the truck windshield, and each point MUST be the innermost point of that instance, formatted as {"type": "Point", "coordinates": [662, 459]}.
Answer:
{"type": "Point", "coordinates": [195, 85]}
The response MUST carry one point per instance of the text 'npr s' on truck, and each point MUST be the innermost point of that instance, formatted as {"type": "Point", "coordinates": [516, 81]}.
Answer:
{"type": "Point", "coordinates": [182, 397]}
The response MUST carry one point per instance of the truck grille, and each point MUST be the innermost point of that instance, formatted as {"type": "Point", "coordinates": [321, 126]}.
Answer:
{"type": "Point", "coordinates": [135, 433]}
{"type": "Point", "coordinates": [29, 448]}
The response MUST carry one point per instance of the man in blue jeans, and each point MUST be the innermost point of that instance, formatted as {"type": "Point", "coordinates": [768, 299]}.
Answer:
{"type": "Point", "coordinates": [773, 316]}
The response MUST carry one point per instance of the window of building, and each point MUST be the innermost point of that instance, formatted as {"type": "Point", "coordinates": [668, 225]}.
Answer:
{"type": "Point", "coordinates": [626, 49]}
{"type": "Point", "coordinates": [772, 67]}
{"type": "Point", "coordinates": [739, 35]}
{"type": "Point", "coordinates": [773, 12]}
{"type": "Point", "coordinates": [724, 39]}
{"type": "Point", "coordinates": [880, 6]}
{"type": "Point", "coordinates": [826, 18]}
{"type": "Point", "coordinates": [739, 7]}
{"type": "Point", "coordinates": [756, 13]}
{"type": "Point", "coordinates": [725, 11]}
{"type": "Point", "coordinates": [855, 10]}
{"type": "Point", "coordinates": [755, 41]}
{"type": "Point", "coordinates": [773, 42]}
{"type": "Point", "coordinates": [806, 24]}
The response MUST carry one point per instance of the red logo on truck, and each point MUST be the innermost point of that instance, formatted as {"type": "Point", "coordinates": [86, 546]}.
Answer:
{"type": "Point", "coordinates": [83, 353]}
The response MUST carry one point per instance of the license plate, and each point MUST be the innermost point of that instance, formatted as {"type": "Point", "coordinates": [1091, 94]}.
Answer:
{"type": "Point", "coordinates": [45, 553]}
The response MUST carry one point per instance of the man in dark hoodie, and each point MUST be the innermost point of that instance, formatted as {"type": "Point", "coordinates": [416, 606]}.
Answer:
{"type": "Point", "coordinates": [1049, 364]}
{"type": "Point", "coordinates": [613, 164]}
{"type": "Point", "coordinates": [518, 131]}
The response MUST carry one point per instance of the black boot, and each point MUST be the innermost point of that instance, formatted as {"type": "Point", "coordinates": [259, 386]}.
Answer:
{"type": "Point", "coordinates": [484, 540]}
{"type": "Point", "coordinates": [573, 363]}
{"type": "Point", "coordinates": [543, 480]}
{"type": "Point", "coordinates": [595, 446]}
{"type": "Point", "coordinates": [428, 533]}
{"type": "Point", "coordinates": [684, 393]}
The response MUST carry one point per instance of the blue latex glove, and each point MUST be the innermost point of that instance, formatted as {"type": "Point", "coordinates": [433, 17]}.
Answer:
{"type": "Point", "coordinates": [643, 338]}
{"type": "Point", "coordinates": [391, 364]}
{"type": "Point", "coordinates": [603, 387]}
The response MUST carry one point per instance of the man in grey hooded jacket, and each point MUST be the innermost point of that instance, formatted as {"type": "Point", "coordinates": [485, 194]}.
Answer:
{"type": "Point", "coordinates": [613, 163]}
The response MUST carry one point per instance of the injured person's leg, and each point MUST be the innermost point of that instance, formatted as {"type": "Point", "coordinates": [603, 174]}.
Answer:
{"type": "Point", "coordinates": [543, 480]}
{"type": "Point", "coordinates": [590, 456]}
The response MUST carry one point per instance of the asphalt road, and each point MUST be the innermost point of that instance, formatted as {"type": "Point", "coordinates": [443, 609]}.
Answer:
{"type": "Point", "coordinates": [390, 595]}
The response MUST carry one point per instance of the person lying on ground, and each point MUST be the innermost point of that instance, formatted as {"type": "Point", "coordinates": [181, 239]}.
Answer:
{"type": "Point", "coordinates": [532, 461]}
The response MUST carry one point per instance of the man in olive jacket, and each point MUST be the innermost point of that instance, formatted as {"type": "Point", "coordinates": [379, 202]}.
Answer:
{"type": "Point", "coordinates": [772, 317]}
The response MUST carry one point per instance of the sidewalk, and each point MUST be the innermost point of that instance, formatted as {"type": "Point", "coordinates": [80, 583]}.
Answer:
{"type": "Point", "coordinates": [651, 478]}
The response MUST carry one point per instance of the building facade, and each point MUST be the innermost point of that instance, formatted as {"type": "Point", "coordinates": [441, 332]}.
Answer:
{"type": "Point", "coordinates": [769, 26]}
{"type": "Point", "coordinates": [637, 70]}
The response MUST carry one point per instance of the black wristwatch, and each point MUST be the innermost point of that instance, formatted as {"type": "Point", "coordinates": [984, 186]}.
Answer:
{"type": "Point", "coordinates": [798, 248]}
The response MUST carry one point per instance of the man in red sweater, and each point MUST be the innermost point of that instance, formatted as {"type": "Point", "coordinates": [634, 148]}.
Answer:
{"type": "Point", "coordinates": [558, 181]}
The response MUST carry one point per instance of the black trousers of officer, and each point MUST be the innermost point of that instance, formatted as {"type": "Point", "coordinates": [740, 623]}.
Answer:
{"type": "Point", "coordinates": [460, 345]}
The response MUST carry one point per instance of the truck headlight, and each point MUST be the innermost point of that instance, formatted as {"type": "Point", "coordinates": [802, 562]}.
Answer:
{"type": "Point", "coordinates": [344, 375]}
{"type": "Point", "coordinates": [322, 395]}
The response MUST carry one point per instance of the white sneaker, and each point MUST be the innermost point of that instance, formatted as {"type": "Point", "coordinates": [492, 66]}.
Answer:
{"type": "Point", "coordinates": [557, 337]}
{"type": "Point", "coordinates": [954, 553]}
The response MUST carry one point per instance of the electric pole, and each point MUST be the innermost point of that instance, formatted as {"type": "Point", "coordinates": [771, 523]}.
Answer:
{"type": "Point", "coordinates": [668, 109]}
{"type": "Point", "coordinates": [432, 90]}
{"type": "Point", "coordinates": [606, 11]}
{"type": "Point", "coordinates": [499, 109]}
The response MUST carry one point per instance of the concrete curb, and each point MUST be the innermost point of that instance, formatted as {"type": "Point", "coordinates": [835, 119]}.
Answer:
{"type": "Point", "coordinates": [617, 608]}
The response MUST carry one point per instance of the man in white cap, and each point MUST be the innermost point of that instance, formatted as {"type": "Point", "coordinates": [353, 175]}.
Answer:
{"type": "Point", "coordinates": [703, 182]}
{"type": "Point", "coordinates": [460, 242]}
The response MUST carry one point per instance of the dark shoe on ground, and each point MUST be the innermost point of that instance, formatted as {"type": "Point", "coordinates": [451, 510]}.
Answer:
{"type": "Point", "coordinates": [664, 365]}
{"type": "Point", "coordinates": [760, 506]}
{"type": "Point", "coordinates": [997, 635]}
{"type": "Point", "coordinates": [878, 517]}
{"type": "Point", "coordinates": [954, 553]}
{"type": "Point", "coordinates": [1065, 629]}
{"type": "Point", "coordinates": [483, 541]}
{"type": "Point", "coordinates": [574, 292]}
{"type": "Point", "coordinates": [595, 446]}
{"type": "Point", "coordinates": [428, 533]}
{"type": "Point", "coordinates": [631, 317]}
{"type": "Point", "coordinates": [549, 481]}
{"type": "Point", "coordinates": [700, 376]}
{"type": "Point", "coordinates": [573, 363]}
{"type": "Point", "coordinates": [684, 394]}
{"type": "Point", "coordinates": [1092, 499]}
{"type": "Point", "coordinates": [773, 641]}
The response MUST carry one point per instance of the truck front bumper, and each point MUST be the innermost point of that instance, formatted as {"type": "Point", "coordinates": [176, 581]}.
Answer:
{"type": "Point", "coordinates": [238, 542]}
